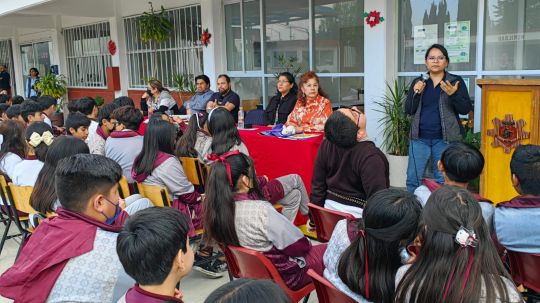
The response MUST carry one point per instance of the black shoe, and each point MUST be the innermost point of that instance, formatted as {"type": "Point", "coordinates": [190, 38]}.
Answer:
{"type": "Point", "coordinates": [211, 267]}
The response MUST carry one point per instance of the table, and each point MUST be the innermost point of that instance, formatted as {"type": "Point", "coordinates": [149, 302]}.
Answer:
{"type": "Point", "coordinates": [276, 157]}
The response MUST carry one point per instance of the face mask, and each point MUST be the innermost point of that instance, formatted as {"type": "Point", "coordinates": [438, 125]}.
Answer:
{"type": "Point", "coordinates": [117, 211]}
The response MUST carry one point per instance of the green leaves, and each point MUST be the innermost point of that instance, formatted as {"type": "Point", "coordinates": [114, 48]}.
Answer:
{"type": "Point", "coordinates": [52, 85]}
{"type": "Point", "coordinates": [184, 83]}
{"type": "Point", "coordinates": [155, 26]}
{"type": "Point", "coordinates": [396, 123]}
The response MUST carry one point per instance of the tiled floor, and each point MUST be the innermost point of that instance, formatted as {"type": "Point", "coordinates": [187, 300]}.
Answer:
{"type": "Point", "coordinates": [195, 287]}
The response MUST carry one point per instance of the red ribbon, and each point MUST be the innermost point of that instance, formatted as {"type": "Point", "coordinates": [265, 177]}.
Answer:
{"type": "Point", "coordinates": [223, 159]}
{"type": "Point", "coordinates": [467, 273]}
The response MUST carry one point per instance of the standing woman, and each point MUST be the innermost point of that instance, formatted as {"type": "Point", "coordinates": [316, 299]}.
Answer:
{"type": "Point", "coordinates": [282, 104]}
{"type": "Point", "coordinates": [312, 108]}
{"type": "Point", "coordinates": [435, 105]}
{"type": "Point", "coordinates": [31, 81]}
{"type": "Point", "coordinates": [158, 98]}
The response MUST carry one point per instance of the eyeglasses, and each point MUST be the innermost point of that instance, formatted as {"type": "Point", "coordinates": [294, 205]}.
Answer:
{"type": "Point", "coordinates": [283, 81]}
{"type": "Point", "coordinates": [433, 58]}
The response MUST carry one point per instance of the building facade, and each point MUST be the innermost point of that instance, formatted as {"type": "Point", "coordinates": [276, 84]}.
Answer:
{"type": "Point", "coordinates": [94, 43]}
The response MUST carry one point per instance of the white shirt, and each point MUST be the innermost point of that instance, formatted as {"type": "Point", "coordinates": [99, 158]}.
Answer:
{"type": "Point", "coordinates": [7, 164]}
{"type": "Point", "coordinates": [26, 172]}
{"type": "Point", "coordinates": [92, 131]}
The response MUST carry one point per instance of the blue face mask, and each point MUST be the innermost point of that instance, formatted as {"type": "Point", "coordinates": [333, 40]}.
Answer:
{"type": "Point", "coordinates": [117, 211]}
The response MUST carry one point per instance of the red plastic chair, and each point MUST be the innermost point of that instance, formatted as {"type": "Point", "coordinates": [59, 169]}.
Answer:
{"type": "Point", "coordinates": [326, 292]}
{"type": "Point", "coordinates": [253, 264]}
{"type": "Point", "coordinates": [232, 266]}
{"type": "Point", "coordinates": [525, 269]}
{"type": "Point", "coordinates": [326, 220]}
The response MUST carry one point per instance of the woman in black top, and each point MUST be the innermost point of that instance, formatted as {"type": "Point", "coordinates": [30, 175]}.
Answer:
{"type": "Point", "coordinates": [283, 102]}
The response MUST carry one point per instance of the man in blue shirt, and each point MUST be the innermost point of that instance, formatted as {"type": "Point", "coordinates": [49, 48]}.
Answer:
{"type": "Point", "coordinates": [197, 103]}
{"type": "Point", "coordinates": [225, 97]}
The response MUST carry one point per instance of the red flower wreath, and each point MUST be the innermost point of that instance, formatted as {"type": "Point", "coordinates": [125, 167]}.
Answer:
{"type": "Point", "coordinates": [373, 18]}
{"type": "Point", "coordinates": [205, 38]}
{"type": "Point", "coordinates": [112, 47]}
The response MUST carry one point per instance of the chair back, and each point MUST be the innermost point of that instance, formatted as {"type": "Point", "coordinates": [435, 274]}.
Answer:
{"type": "Point", "coordinates": [326, 292]}
{"type": "Point", "coordinates": [232, 265]}
{"type": "Point", "coordinates": [326, 220]}
{"type": "Point", "coordinates": [124, 187]}
{"type": "Point", "coordinates": [525, 269]}
{"type": "Point", "coordinates": [193, 170]}
{"type": "Point", "coordinates": [20, 197]}
{"type": "Point", "coordinates": [155, 193]}
{"type": "Point", "coordinates": [253, 264]}
{"type": "Point", "coordinates": [255, 117]}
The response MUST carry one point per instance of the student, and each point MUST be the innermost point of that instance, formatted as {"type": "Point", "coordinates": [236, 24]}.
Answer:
{"type": "Point", "coordinates": [157, 165]}
{"type": "Point", "coordinates": [5, 99]}
{"type": "Point", "coordinates": [196, 141]}
{"type": "Point", "coordinates": [49, 105]}
{"type": "Point", "coordinates": [13, 148]}
{"type": "Point", "coordinates": [124, 143]}
{"type": "Point", "coordinates": [225, 135]}
{"type": "Point", "coordinates": [17, 100]}
{"type": "Point", "coordinates": [457, 255]}
{"type": "Point", "coordinates": [460, 163]}
{"type": "Point", "coordinates": [516, 221]}
{"type": "Point", "coordinates": [369, 249]}
{"type": "Point", "coordinates": [154, 250]}
{"type": "Point", "coordinates": [88, 107]}
{"type": "Point", "coordinates": [3, 112]}
{"type": "Point", "coordinates": [77, 125]}
{"type": "Point", "coordinates": [72, 257]}
{"type": "Point", "coordinates": [38, 138]}
{"type": "Point", "coordinates": [14, 113]}
{"type": "Point", "coordinates": [124, 101]}
{"type": "Point", "coordinates": [248, 290]}
{"type": "Point", "coordinates": [237, 214]}
{"type": "Point", "coordinates": [31, 111]}
{"type": "Point", "coordinates": [106, 126]}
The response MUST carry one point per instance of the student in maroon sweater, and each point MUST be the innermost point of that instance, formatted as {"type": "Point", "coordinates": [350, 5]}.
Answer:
{"type": "Point", "coordinates": [349, 167]}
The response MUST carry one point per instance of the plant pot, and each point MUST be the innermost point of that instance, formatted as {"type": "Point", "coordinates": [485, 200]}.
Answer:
{"type": "Point", "coordinates": [398, 170]}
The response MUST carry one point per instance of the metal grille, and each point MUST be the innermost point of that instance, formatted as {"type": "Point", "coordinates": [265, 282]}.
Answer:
{"type": "Point", "coordinates": [87, 54]}
{"type": "Point", "coordinates": [6, 58]}
{"type": "Point", "coordinates": [180, 54]}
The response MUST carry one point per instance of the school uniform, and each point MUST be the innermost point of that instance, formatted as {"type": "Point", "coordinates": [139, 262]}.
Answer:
{"type": "Point", "coordinates": [26, 172]}
{"type": "Point", "coordinates": [138, 295]}
{"type": "Point", "coordinates": [96, 143]}
{"type": "Point", "coordinates": [8, 163]}
{"type": "Point", "coordinates": [123, 147]}
{"type": "Point", "coordinates": [517, 225]}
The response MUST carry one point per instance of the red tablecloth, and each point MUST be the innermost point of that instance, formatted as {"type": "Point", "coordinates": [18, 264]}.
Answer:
{"type": "Point", "coordinates": [276, 157]}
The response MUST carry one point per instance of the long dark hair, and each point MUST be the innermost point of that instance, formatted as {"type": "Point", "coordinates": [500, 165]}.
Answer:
{"type": "Point", "coordinates": [389, 222]}
{"type": "Point", "coordinates": [304, 79]}
{"type": "Point", "coordinates": [157, 85]}
{"type": "Point", "coordinates": [290, 78]}
{"type": "Point", "coordinates": [445, 271]}
{"type": "Point", "coordinates": [44, 194]}
{"type": "Point", "coordinates": [223, 130]}
{"type": "Point", "coordinates": [159, 136]}
{"type": "Point", "coordinates": [39, 128]}
{"type": "Point", "coordinates": [185, 147]}
{"type": "Point", "coordinates": [13, 139]}
{"type": "Point", "coordinates": [220, 208]}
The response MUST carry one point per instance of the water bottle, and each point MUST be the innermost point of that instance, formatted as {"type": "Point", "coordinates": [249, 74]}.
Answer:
{"type": "Point", "coordinates": [240, 117]}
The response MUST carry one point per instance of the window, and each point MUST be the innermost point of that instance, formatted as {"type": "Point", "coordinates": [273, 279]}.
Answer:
{"type": "Point", "coordinates": [512, 37]}
{"type": "Point", "coordinates": [87, 54]}
{"type": "Point", "coordinates": [180, 54]}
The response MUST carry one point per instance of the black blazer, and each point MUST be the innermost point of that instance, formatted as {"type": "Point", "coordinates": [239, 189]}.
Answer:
{"type": "Point", "coordinates": [283, 106]}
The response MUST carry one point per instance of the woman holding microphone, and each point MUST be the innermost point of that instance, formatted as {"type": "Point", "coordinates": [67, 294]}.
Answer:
{"type": "Point", "coordinates": [435, 100]}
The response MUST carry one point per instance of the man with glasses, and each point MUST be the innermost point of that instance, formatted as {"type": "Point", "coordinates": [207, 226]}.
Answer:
{"type": "Point", "coordinates": [435, 100]}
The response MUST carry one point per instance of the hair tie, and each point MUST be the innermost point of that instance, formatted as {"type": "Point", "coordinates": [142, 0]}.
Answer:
{"type": "Point", "coordinates": [223, 159]}
{"type": "Point", "coordinates": [198, 123]}
{"type": "Point", "coordinates": [362, 234]}
{"type": "Point", "coordinates": [210, 113]}
{"type": "Point", "coordinates": [36, 139]}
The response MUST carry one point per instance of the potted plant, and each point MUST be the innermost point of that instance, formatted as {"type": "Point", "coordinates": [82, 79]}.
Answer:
{"type": "Point", "coordinates": [185, 86]}
{"type": "Point", "coordinates": [155, 28]}
{"type": "Point", "coordinates": [396, 131]}
{"type": "Point", "coordinates": [55, 86]}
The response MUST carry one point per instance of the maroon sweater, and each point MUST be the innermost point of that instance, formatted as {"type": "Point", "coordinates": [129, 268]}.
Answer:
{"type": "Point", "coordinates": [359, 172]}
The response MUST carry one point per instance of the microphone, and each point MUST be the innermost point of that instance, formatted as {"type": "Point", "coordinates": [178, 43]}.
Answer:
{"type": "Point", "coordinates": [425, 77]}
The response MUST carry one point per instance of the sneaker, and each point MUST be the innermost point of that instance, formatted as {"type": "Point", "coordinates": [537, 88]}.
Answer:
{"type": "Point", "coordinates": [211, 267]}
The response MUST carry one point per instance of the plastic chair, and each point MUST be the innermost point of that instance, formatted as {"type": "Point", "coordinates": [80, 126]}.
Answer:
{"type": "Point", "coordinates": [255, 117]}
{"type": "Point", "coordinates": [232, 266]}
{"type": "Point", "coordinates": [326, 220]}
{"type": "Point", "coordinates": [123, 188]}
{"type": "Point", "coordinates": [155, 193]}
{"type": "Point", "coordinates": [326, 291]}
{"type": "Point", "coordinates": [253, 264]}
{"type": "Point", "coordinates": [194, 170]}
{"type": "Point", "coordinates": [525, 269]}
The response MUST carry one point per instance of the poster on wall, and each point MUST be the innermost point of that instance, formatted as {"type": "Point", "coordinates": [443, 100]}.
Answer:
{"type": "Point", "coordinates": [424, 36]}
{"type": "Point", "coordinates": [457, 40]}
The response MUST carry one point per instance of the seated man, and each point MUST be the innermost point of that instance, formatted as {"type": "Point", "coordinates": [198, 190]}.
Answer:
{"type": "Point", "coordinates": [154, 250]}
{"type": "Point", "coordinates": [77, 126]}
{"type": "Point", "coordinates": [349, 167]}
{"type": "Point", "coordinates": [460, 163]}
{"type": "Point", "coordinates": [516, 222]}
{"type": "Point", "coordinates": [197, 103]}
{"type": "Point", "coordinates": [72, 257]}
{"type": "Point", "coordinates": [225, 97]}
{"type": "Point", "coordinates": [125, 143]}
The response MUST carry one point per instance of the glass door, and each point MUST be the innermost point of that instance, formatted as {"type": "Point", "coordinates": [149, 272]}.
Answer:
{"type": "Point", "coordinates": [36, 55]}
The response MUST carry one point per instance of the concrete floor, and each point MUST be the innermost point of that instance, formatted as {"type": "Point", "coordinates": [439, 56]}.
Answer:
{"type": "Point", "coordinates": [195, 287]}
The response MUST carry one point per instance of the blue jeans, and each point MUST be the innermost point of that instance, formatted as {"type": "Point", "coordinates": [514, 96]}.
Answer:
{"type": "Point", "coordinates": [420, 150]}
